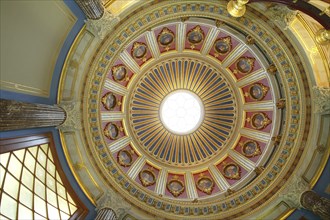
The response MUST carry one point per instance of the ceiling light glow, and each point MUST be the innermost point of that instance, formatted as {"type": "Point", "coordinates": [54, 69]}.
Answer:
{"type": "Point", "coordinates": [182, 112]}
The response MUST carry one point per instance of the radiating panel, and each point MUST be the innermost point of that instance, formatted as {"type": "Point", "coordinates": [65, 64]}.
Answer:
{"type": "Point", "coordinates": [218, 102]}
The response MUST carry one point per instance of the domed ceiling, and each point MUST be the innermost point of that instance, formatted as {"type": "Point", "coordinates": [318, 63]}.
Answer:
{"type": "Point", "coordinates": [223, 160]}
{"type": "Point", "coordinates": [237, 97]}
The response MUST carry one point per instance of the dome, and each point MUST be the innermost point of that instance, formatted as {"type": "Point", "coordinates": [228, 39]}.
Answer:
{"type": "Point", "coordinates": [181, 111]}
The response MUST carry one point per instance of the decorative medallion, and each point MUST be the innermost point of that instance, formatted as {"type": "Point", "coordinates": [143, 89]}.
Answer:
{"type": "Point", "coordinates": [124, 158]}
{"type": "Point", "coordinates": [222, 46]}
{"type": "Point", "coordinates": [195, 36]}
{"type": "Point", "coordinates": [205, 184]}
{"type": "Point", "coordinates": [119, 73]}
{"type": "Point", "coordinates": [109, 101]}
{"type": "Point", "coordinates": [175, 186]}
{"type": "Point", "coordinates": [231, 171]}
{"type": "Point", "coordinates": [147, 177]}
{"type": "Point", "coordinates": [244, 65]}
{"type": "Point", "coordinates": [257, 91]}
{"type": "Point", "coordinates": [111, 131]}
{"type": "Point", "coordinates": [165, 38]}
{"type": "Point", "coordinates": [139, 51]}
{"type": "Point", "coordinates": [250, 148]}
{"type": "Point", "coordinates": [259, 120]}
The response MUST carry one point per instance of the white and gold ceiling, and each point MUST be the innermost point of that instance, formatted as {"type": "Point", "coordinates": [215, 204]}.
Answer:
{"type": "Point", "coordinates": [254, 96]}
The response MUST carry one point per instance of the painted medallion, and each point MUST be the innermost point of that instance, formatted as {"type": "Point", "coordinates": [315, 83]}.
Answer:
{"type": "Point", "coordinates": [195, 36]}
{"type": "Point", "coordinates": [165, 38]}
{"type": "Point", "coordinates": [139, 50]}
{"type": "Point", "coordinates": [205, 184]}
{"type": "Point", "coordinates": [124, 158]}
{"type": "Point", "coordinates": [244, 65]}
{"type": "Point", "coordinates": [175, 186]}
{"type": "Point", "coordinates": [259, 120]}
{"type": "Point", "coordinates": [258, 91]}
{"type": "Point", "coordinates": [109, 101]}
{"type": "Point", "coordinates": [250, 148]}
{"type": "Point", "coordinates": [232, 171]}
{"type": "Point", "coordinates": [111, 131]}
{"type": "Point", "coordinates": [147, 177]}
{"type": "Point", "coordinates": [119, 73]}
{"type": "Point", "coordinates": [223, 45]}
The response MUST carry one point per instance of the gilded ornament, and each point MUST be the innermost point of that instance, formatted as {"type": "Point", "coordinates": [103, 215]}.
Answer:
{"type": "Point", "coordinates": [165, 38]}
{"type": "Point", "coordinates": [250, 40]}
{"type": "Point", "coordinates": [257, 91]}
{"type": "Point", "coordinates": [195, 36]}
{"type": "Point", "coordinates": [109, 101]}
{"type": "Point", "coordinates": [147, 177]}
{"type": "Point", "coordinates": [205, 184]}
{"type": "Point", "coordinates": [259, 120]}
{"type": "Point", "coordinates": [272, 69]}
{"type": "Point", "coordinates": [250, 148]}
{"type": "Point", "coordinates": [175, 186]}
{"type": "Point", "coordinates": [231, 171]}
{"type": "Point", "coordinates": [280, 104]}
{"type": "Point", "coordinates": [119, 73]}
{"type": "Point", "coordinates": [112, 131]}
{"type": "Point", "coordinates": [139, 51]}
{"type": "Point", "coordinates": [124, 158]}
{"type": "Point", "coordinates": [244, 65]}
{"type": "Point", "coordinates": [222, 46]}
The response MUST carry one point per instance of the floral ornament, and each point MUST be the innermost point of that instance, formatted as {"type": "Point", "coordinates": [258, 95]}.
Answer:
{"type": "Point", "coordinates": [231, 171]}
{"type": "Point", "coordinates": [222, 46]}
{"type": "Point", "coordinates": [119, 73]}
{"type": "Point", "coordinates": [257, 91]}
{"type": "Point", "coordinates": [109, 101]}
{"type": "Point", "coordinates": [147, 177]}
{"type": "Point", "coordinates": [259, 120]}
{"type": "Point", "coordinates": [244, 65]}
{"type": "Point", "coordinates": [175, 186]}
{"type": "Point", "coordinates": [205, 184]}
{"type": "Point", "coordinates": [250, 148]}
{"type": "Point", "coordinates": [111, 131]}
{"type": "Point", "coordinates": [139, 51]}
{"type": "Point", "coordinates": [195, 36]}
{"type": "Point", "coordinates": [125, 157]}
{"type": "Point", "coordinates": [165, 38]}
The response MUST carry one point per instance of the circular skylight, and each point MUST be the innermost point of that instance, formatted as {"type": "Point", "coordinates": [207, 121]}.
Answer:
{"type": "Point", "coordinates": [181, 112]}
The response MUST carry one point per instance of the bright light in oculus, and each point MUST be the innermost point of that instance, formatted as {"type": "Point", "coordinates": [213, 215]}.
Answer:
{"type": "Point", "coordinates": [181, 112]}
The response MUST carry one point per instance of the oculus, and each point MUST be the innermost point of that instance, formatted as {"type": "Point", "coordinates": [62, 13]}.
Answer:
{"type": "Point", "coordinates": [250, 148]}
{"type": "Point", "coordinates": [119, 73]}
{"type": "Point", "coordinates": [244, 65]}
{"type": "Point", "coordinates": [111, 131]}
{"type": "Point", "coordinates": [259, 120]}
{"type": "Point", "coordinates": [165, 38]}
{"type": "Point", "coordinates": [147, 177]}
{"type": "Point", "coordinates": [231, 171]}
{"type": "Point", "coordinates": [195, 36]}
{"type": "Point", "coordinates": [124, 158]}
{"type": "Point", "coordinates": [181, 112]}
{"type": "Point", "coordinates": [139, 50]}
{"type": "Point", "coordinates": [205, 184]}
{"type": "Point", "coordinates": [175, 186]}
{"type": "Point", "coordinates": [257, 91]}
{"type": "Point", "coordinates": [223, 46]}
{"type": "Point", "coordinates": [109, 101]}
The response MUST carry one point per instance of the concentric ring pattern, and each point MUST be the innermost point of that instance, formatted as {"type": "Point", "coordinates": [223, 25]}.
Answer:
{"type": "Point", "coordinates": [219, 106]}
